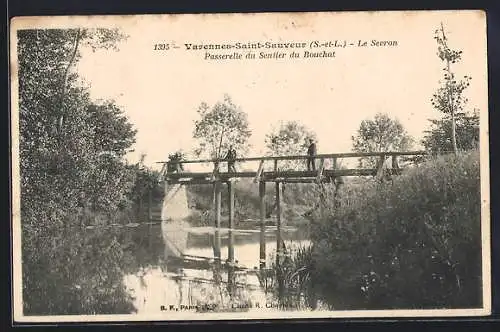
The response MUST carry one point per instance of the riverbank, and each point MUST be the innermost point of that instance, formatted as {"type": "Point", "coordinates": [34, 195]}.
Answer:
{"type": "Point", "coordinates": [197, 218]}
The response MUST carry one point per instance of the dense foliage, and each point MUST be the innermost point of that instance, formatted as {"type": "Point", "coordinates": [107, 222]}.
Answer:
{"type": "Point", "coordinates": [423, 228]}
{"type": "Point", "coordinates": [72, 175]}
{"type": "Point", "coordinates": [380, 134]}
{"type": "Point", "coordinates": [289, 139]}
{"type": "Point", "coordinates": [449, 98]}
{"type": "Point", "coordinates": [437, 138]}
{"type": "Point", "coordinates": [220, 127]}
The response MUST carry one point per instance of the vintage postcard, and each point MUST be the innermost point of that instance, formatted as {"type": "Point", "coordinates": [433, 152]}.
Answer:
{"type": "Point", "coordinates": [250, 166]}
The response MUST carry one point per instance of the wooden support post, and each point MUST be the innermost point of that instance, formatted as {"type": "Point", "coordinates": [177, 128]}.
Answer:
{"type": "Point", "coordinates": [230, 189]}
{"type": "Point", "coordinates": [216, 209]}
{"type": "Point", "coordinates": [230, 252]}
{"type": "Point", "coordinates": [217, 191]}
{"type": "Point", "coordinates": [230, 247]}
{"type": "Point", "coordinates": [320, 169]}
{"type": "Point", "coordinates": [163, 172]}
{"type": "Point", "coordinates": [215, 172]}
{"type": "Point", "coordinates": [395, 164]}
{"type": "Point", "coordinates": [334, 163]}
{"type": "Point", "coordinates": [231, 282]}
{"type": "Point", "coordinates": [380, 166]}
{"type": "Point", "coordinates": [259, 172]}
{"type": "Point", "coordinates": [276, 165]}
{"type": "Point", "coordinates": [217, 245]}
{"type": "Point", "coordinates": [262, 196]}
{"type": "Point", "coordinates": [279, 249]}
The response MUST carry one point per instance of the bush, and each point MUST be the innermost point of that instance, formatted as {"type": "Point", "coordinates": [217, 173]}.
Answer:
{"type": "Point", "coordinates": [413, 242]}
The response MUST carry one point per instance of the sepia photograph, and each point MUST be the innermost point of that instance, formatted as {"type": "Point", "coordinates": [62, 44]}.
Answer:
{"type": "Point", "coordinates": [250, 166]}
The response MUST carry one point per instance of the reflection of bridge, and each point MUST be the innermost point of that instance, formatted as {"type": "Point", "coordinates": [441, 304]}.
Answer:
{"type": "Point", "coordinates": [174, 175]}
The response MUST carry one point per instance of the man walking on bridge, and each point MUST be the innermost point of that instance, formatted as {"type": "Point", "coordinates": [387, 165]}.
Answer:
{"type": "Point", "coordinates": [230, 157]}
{"type": "Point", "coordinates": [311, 152]}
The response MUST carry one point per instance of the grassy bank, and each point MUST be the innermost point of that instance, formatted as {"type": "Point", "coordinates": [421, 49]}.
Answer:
{"type": "Point", "coordinates": [414, 242]}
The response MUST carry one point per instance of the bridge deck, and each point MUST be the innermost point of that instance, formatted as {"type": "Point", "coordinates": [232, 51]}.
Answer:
{"type": "Point", "coordinates": [173, 170]}
{"type": "Point", "coordinates": [271, 176]}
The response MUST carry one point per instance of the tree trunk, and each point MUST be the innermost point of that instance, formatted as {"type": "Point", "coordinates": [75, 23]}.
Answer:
{"type": "Point", "coordinates": [452, 110]}
{"type": "Point", "coordinates": [71, 61]}
{"type": "Point", "coordinates": [219, 148]}
{"type": "Point", "coordinates": [453, 131]}
{"type": "Point", "coordinates": [450, 97]}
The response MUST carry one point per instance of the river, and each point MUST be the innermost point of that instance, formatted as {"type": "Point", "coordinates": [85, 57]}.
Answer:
{"type": "Point", "coordinates": [179, 270]}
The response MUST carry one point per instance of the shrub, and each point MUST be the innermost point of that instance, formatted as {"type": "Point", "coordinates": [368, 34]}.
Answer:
{"type": "Point", "coordinates": [413, 242]}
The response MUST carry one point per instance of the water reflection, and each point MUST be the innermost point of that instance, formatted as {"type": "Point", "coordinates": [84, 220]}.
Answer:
{"type": "Point", "coordinates": [204, 269]}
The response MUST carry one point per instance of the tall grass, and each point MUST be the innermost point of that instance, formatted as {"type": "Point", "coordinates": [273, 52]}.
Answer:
{"type": "Point", "coordinates": [289, 278]}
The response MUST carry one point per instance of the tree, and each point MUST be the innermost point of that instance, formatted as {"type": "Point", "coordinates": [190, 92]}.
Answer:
{"type": "Point", "coordinates": [70, 174]}
{"type": "Point", "coordinates": [438, 138]}
{"type": "Point", "coordinates": [146, 186]}
{"type": "Point", "coordinates": [219, 127]}
{"type": "Point", "coordinates": [449, 98]}
{"type": "Point", "coordinates": [290, 138]}
{"type": "Point", "coordinates": [113, 131]}
{"type": "Point", "coordinates": [56, 129]}
{"type": "Point", "coordinates": [59, 124]}
{"type": "Point", "coordinates": [54, 53]}
{"type": "Point", "coordinates": [381, 134]}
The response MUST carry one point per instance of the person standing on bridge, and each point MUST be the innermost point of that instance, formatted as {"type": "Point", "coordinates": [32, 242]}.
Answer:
{"type": "Point", "coordinates": [231, 158]}
{"type": "Point", "coordinates": [311, 152]}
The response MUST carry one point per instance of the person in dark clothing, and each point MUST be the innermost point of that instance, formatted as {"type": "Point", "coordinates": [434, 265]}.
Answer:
{"type": "Point", "coordinates": [230, 157]}
{"type": "Point", "coordinates": [174, 162]}
{"type": "Point", "coordinates": [311, 151]}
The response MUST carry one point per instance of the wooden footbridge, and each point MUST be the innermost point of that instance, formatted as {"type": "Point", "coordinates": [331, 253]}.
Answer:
{"type": "Point", "coordinates": [269, 171]}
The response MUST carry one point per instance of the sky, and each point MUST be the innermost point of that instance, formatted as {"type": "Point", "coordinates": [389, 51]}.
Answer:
{"type": "Point", "coordinates": [160, 91]}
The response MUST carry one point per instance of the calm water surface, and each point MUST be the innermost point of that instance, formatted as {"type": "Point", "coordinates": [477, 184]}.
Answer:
{"type": "Point", "coordinates": [183, 274]}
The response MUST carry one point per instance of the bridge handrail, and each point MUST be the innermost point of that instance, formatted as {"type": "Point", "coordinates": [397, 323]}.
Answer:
{"type": "Point", "coordinates": [318, 156]}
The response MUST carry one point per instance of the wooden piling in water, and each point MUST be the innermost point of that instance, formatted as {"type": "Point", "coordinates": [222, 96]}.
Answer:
{"type": "Point", "coordinates": [262, 196]}
{"type": "Point", "coordinates": [217, 244]}
{"type": "Point", "coordinates": [230, 248]}
{"type": "Point", "coordinates": [279, 249]}
{"type": "Point", "coordinates": [217, 191]}
{"type": "Point", "coordinates": [217, 240]}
